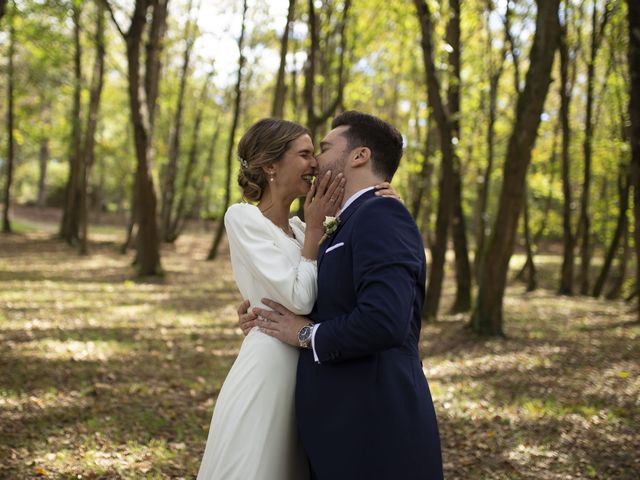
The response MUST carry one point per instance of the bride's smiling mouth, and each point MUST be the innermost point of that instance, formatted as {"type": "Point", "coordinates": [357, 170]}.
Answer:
{"type": "Point", "coordinates": [308, 178]}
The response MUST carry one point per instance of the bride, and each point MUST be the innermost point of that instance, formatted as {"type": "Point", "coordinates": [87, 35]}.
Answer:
{"type": "Point", "coordinates": [253, 432]}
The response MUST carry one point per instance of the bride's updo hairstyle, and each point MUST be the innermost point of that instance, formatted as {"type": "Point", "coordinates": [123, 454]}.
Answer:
{"type": "Point", "coordinates": [263, 144]}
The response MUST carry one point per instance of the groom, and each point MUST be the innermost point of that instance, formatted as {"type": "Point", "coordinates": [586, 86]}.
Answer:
{"type": "Point", "coordinates": [363, 406]}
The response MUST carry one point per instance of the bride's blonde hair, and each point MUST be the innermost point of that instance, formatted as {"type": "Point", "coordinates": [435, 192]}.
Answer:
{"type": "Point", "coordinates": [263, 144]}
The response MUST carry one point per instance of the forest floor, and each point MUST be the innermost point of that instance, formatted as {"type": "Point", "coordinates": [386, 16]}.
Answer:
{"type": "Point", "coordinates": [103, 376]}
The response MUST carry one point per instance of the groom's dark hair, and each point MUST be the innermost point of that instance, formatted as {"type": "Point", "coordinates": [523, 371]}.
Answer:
{"type": "Point", "coordinates": [382, 138]}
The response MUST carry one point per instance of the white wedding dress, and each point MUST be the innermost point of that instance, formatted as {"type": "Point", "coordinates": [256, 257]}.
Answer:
{"type": "Point", "coordinates": [253, 433]}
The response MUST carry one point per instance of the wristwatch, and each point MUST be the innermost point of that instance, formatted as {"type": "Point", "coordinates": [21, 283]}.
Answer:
{"type": "Point", "coordinates": [304, 336]}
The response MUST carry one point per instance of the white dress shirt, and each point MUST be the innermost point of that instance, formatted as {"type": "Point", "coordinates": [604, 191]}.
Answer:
{"type": "Point", "coordinates": [346, 205]}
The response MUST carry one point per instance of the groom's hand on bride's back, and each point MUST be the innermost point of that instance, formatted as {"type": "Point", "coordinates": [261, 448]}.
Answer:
{"type": "Point", "coordinates": [246, 319]}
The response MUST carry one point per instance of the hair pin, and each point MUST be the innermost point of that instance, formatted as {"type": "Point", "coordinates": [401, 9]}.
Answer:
{"type": "Point", "coordinates": [243, 162]}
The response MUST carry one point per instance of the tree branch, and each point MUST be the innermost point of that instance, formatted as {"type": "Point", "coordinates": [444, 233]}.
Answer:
{"type": "Point", "coordinates": [343, 48]}
{"type": "Point", "coordinates": [3, 7]}
{"type": "Point", "coordinates": [107, 5]}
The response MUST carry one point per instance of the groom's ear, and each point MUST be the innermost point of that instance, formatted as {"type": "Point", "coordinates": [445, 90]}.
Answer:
{"type": "Point", "coordinates": [360, 156]}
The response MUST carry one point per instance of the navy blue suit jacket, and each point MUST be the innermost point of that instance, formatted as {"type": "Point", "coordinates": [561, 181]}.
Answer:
{"type": "Point", "coordinates": [365, 411]}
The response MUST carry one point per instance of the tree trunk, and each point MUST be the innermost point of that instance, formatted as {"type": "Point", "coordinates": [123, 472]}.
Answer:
{"type": "Point", "coordinates": [618, 281]}
{"type": "Point", "coordinates": [6, 222]}
{"type": "Point", "coordinates": [280, 92]}
{"type": "Point", "coordinates": [487, 317]}
{"type": "Point", "coordinates": [142, 118]}
{"type": "Point", "coordinates": [513, 49]}
{"type": "Point", "coordinates": [621, 226]}
{"type": "Point", "coordinates": [549, 200]}
{"type": "Point", "coordinates": [585, 221]}
{"type": "Point", "coordinates": [597, 32]}
{"type": "Point", "coordinates": [566, 275]}
{"type": "Point", "coordinates": [97, 201]}
{"type": "Point", "coordinates": [315, 119]}
{"type": "Point", "coordinates": [70, 226]}
{"type": "Point", "coordinates": [633, 8]}
{"type": "Point", "coordinates": [316, 115]}
{"type": "Point", "coordinates": [294, 90]}
{"type": "Point", "coordinates": [180, 215]}
{"type": "Point", "coordinates": [133, 218]}
{"type": "Point", "coordinates": [153, 60]}
{"type": "Point", "coordinates": [449, 159]}
{"type": "Point", "coordinates": [430, 147]}
{"type": "Point", "coordinates": [568, 238]}
{"type": "Point", "coordinates": [529, 266]}
{"type": "Point", "coordinates": [633, 294]}
{"type": "Point", "coordinates": [213, 253]}
{"type": "Point", "coordinates": [395, 84]}
{"type": "Point", "coordinates": [462, 302]}
{"type": "Point", "coordinates": [483, 195]}
{"type": "Point", "coordinates": [148, 241]}
{"type": "Point", "coordinates": [416, 182]}
{"type": "Point", "coordinates": [90, 131]}
{"type": "Point", "coordinates": [208, 171]}
{"type": "Point", "coordinates": [169, 187]}
{"type": "Point", "coordinates": [531, 241]}
{"type": "Point", "coordinates": [43, 162]}
{"type": "Point", "coordinates": [483, 225]}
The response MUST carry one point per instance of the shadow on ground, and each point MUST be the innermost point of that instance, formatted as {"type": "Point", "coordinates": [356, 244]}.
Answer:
{"type": "Point", "coordinates": [108, 377]}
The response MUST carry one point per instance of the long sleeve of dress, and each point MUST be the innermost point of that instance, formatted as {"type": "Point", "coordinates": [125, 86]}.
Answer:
{"type": "Point", "coordinates": [264, 252]}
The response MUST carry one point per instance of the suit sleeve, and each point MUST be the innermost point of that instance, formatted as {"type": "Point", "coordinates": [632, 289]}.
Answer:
{"type": "Point", "coordinates": [388, 258]}
{"type": "Point", "coordinates": [293, 285]}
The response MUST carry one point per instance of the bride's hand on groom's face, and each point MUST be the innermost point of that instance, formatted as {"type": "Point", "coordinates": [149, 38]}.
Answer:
{"type": "Point", "coordinates": [280, 323]}
{"type": "Point", "coordinates": [324, 199]}
{"type": "Point", "coordinates": [246, 319]}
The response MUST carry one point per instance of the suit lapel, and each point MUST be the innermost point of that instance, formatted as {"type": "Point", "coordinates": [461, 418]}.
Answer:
{"type": "Point", "coordinates": [344, 218]}
{"type": "Point", "coordinates": [323, 248]}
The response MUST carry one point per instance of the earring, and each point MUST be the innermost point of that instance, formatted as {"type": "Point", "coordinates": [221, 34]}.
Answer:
{"type": "Point", "coordinates": [271, 176]}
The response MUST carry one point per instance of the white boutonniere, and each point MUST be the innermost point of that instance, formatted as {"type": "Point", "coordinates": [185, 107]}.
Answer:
{"type": "Point", "coordinates": [330, 225]}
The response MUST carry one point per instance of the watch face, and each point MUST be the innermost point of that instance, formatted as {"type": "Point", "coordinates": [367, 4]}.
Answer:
{"type": "Point", "coordinates": [305, 334]}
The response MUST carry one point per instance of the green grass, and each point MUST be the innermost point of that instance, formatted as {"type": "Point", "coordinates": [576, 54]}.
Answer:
{"type": "Point", "coordinates": [104, 376]}
{"type": "Point", "coordinates": [25, 227]}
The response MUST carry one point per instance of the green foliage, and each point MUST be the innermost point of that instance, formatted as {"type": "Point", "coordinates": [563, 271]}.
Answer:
{"type": "Point", "coordinates": [384, 76]}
